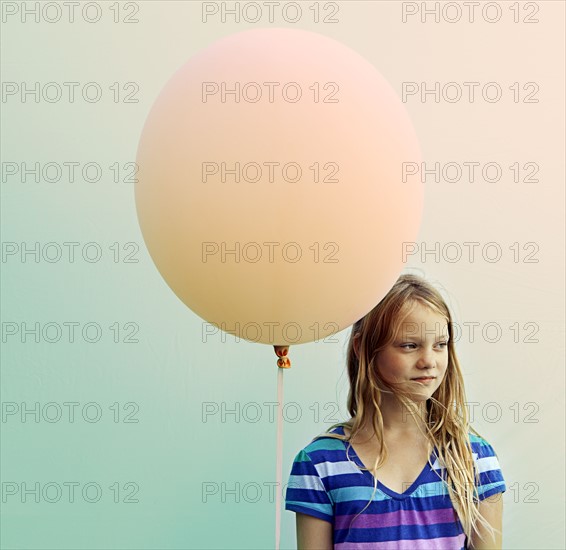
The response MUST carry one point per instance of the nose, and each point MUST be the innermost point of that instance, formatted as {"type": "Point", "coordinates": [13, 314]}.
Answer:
{"type": "Point", "coordinates": [426, 360]}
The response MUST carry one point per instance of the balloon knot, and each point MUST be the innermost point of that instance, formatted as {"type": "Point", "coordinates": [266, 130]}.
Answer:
{"type": "Point", "coordinates": [283, 361]}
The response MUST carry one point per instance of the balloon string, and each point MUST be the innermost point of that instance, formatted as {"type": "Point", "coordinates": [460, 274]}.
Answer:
{"type": "Point", "coordinates": [279, 476]}
{"type": "Point", "coordinates": [283, 363]}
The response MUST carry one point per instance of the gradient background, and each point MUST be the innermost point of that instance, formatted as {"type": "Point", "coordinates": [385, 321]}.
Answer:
{"type": "Point", "coordinates": [172, 451]}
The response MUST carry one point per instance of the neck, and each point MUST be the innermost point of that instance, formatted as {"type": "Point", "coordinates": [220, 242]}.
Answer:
{"type": "Point", "coordinates": [397, 420]}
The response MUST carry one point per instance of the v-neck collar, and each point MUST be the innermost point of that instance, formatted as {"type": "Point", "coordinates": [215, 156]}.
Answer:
{"type": "Point", "coordinates": [370, 477]}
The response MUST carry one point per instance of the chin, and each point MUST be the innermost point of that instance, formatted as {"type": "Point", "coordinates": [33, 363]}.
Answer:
{"type": "Point", "coordinates": [421, 397]}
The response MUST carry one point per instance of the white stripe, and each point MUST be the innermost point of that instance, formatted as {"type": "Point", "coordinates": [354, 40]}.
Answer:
{"type": "Point", "coordinates": [487, 464]}
{"type": "Point", "coordinates": [335, 468]}
{"type": "Point", "coordinates": [305, 482]}
{"type": "Point", "coordinates": [436, 465]}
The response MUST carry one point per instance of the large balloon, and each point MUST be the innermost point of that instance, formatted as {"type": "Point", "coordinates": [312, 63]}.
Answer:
{"type": "Point", "coordinates": [270, 191]}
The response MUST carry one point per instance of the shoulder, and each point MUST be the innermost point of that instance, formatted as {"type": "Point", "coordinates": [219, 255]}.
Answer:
{"type": "Point", "coordinates": [324, 443]}
{"type": "Point", "coordinates": [481, 448]}
{"type": "Point", "coordinates": [313, 473]}
{"type": "Point", "coordinates": [323, 449]}
{"type": "Point", "coordinates": [490, 480]}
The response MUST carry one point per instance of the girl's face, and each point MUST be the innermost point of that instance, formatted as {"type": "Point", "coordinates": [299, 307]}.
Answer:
{"type": "Point", "coordinates": [418, 357]}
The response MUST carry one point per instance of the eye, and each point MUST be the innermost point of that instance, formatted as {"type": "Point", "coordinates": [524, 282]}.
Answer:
{"type": "Point", "coordinates": [443, 344]}
{"type": "Point", "coordinates": [406, 346]}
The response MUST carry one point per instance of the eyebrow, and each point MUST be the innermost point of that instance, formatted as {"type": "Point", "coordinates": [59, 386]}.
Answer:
{"type": "Point", "coordinates": [443, 336]}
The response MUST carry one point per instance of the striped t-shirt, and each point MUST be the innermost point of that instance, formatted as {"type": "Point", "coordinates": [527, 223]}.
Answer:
{"type": "Point", "coordinates": [325, 484]}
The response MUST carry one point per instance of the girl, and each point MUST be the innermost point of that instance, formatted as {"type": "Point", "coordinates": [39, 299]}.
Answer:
{"type": "Point", "coordinates": [407, 471]}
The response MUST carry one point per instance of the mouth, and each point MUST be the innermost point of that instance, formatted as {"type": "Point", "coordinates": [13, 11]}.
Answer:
{"type": "Point", "coordinates": [424, 379]}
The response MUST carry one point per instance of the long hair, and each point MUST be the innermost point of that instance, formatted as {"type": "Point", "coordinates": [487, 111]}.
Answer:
{"type": "Point", "coordinates": [445, 415]}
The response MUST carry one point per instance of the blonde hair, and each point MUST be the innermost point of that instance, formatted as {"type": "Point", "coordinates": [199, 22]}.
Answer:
{"type": "Point", "coordinates": [446, 416]}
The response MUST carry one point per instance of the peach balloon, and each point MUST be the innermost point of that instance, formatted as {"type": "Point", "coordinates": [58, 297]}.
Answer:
{"type": "Point", "coordinates": [270, 192]}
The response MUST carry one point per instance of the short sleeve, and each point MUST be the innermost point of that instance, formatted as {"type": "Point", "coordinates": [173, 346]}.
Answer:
{"type": "Point", "coordinates": [306, 492]}
{"type": "Point", "coordinates": [491, 479]}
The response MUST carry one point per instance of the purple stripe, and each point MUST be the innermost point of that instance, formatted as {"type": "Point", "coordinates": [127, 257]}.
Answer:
{"type": "Point", "coordinates": [400, 517]}
{"type": "Point", "coordinates": [444, 543]}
